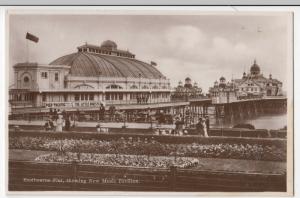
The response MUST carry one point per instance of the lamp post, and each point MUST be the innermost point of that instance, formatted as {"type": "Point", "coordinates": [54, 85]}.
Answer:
{"type": "Point", "coordinates": [124, 119]}
{"type": "Point", "coordinates": [140, 75]}
{"type": "Point", "coordinates": [139, 96]}
{"type": "Point", "coordinates": [99, 74]}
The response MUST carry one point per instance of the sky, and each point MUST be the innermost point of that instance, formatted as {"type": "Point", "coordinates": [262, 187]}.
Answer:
{"type": "Point", "coordinates": [203, 47]}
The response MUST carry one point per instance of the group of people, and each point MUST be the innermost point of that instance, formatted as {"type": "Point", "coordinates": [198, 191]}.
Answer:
{"type": "Point", "coordinates": [202, 126]}
{"type": "Point", "coordinates": [58, 121]}
{"type": "Point", "coordinates": [55, 112]}
{"type": "Point", "coordinates": [112, 112]}
{"type": "Point", "coordinates": [142, 99]}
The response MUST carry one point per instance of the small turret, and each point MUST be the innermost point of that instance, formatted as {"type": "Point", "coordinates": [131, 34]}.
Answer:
{"type": "Point", "coordinates": [216, 84]}
{"type": "Point", "coordinates": [180, 84]}
{"type": "Point", "coordinates": [244, 75]}
{"type": "Point", "coordinates": [188, 83]}
{"type": "Point", "coordinates": [222, 80]}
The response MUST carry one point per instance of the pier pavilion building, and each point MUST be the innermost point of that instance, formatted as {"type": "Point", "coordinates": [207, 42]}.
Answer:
{"type": "Point", "coordinates": [86, 78]}
{"type": "Point", "coordinates": [186, 91]}
{"type": "Point", "coordinates": [256, 84]}
{"type": "Point", "coordinates": [223, 91]}
{"type": "Point", "coordinates": [251, 85]}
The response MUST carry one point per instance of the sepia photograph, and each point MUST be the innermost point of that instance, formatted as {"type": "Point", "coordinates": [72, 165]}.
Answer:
{"type": "Point", "coordinates": [150, 101]}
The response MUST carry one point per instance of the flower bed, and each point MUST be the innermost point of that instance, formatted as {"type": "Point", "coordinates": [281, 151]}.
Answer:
{"type": "Point", "coordinates": [151, 147]}
{"type": "Point", "coordinates": [119, 160]}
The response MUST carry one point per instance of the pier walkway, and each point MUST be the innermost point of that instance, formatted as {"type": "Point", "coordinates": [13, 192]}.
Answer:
{"type": "Point", "coordinates": [93, 124]}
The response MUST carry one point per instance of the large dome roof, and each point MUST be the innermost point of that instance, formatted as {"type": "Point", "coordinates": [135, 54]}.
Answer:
{"type": "Point", "coordinates": [92, 64]}
{"type": "Point", "coordinates": [255, 69]}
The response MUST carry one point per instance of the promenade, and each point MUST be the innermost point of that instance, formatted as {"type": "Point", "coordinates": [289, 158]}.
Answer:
{"type": "Point", "coordinates": [93, 124]}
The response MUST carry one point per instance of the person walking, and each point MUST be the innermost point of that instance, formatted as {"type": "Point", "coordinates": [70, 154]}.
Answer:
{"type": "Point", "coordinates": [59, 123]}
{"type": "Point", "coordinates": [78, 115]}
{"type": "Point", "coordinates": [101, 112]}
{"type": "Point", "coordinates": [207, 124]}
{"type": "Point", "coordinates": [177, 125]}
{"type": "Point", "coordinates": [55, 114]}
{"type": "Point", "coordinates": [161, 117]}
{"type": "Point", "coordinates": [49, 125]}
{"type": "Point", "coordinates": [64, 113]}
{"type": "Point", "coordinates": [112, 110]}
{"type": "Point", "coordinates": [204, 127]}
{"type": "Point", "coordinates": [199, 127]}
{"type": "Point", "coordinates": [67, 124]}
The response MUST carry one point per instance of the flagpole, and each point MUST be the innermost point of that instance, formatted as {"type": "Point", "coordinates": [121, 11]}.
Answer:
{"type": "Point", "coordinates": [30, 37]}
{"type": "Point", "coordinates": [27, 51]}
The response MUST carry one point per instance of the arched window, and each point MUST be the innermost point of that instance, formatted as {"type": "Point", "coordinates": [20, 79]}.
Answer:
{"type": "Point", "coordinates": [26, 79]}
{"type": "Point", "coordinates": [83, 86]}
{"type": "Point", "coordinates": [133, 87]}
{"type": "Point", "coordinates": [114, 86]}
{"type": "Point", "coordinates": [145, 87]}
{"type": "Point", "coordinates": [155, 87]}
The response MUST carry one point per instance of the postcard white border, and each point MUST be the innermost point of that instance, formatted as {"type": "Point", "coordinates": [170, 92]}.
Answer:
{"type": "Point", "coordinates": [148, 10]}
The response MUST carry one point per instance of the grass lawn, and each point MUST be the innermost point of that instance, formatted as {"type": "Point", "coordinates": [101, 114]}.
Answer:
{"type": "Point", "coordinates": [25, 155]}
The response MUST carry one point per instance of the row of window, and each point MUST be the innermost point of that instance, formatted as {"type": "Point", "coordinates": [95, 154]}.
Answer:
{"type": "Point", "coordinates": [98, 51]}
{"type": "Point", "coordinates": [225, 94]}
{"type": "Point", "coordinates": [44, 97]}
{"type": "Point", "coordinates": [22, 97]}
{"type": "Point", "coordinates": [133, 87]}
{"type": "Point", "coordinates": [112, 96]}
{"type": "Point", "coordinates": [250, 89]}
{"type": "Point", "coordinates": [133, 96]}
{"type": "Point", "coordinates": [84, 97]}
{"type": "Point", "coordinates": [44, 75]}
{"type": "Point", "coordinates": [139, 95]}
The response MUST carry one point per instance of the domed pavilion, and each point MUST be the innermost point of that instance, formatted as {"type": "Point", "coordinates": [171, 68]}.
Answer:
{"type": "Point", "coordinates": [94, 74]}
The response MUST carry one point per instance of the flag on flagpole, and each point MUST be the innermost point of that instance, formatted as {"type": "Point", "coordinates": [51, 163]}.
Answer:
{"type": "Point", "coordinates": [32, 37]}
{"type": "Point", "coordinates": [153, 63]}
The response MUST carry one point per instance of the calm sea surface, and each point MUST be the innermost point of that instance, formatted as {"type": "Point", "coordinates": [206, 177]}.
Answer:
{"type": "Point", "coordinates": [261, 122]}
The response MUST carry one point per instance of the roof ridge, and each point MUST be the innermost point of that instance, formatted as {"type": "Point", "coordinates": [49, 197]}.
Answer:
{"type": "Point", "coordinates": [72, 61]}
{"type": "Point", "coordinates": [147, 68]}
{"type": "Point", "coordinates": [140, 70]}
{"type": "Point", "coordinates": [122, 73]}
{"type": "Point", "coordinates": [144, 63]}
{"type": "Point", "coordinates": [92, 61]}
{"type": "Point", "coordinates": [62, 57]}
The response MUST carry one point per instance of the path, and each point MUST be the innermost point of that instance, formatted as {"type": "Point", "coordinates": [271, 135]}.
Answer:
{"type": "Point", "coordinates": [92, 124]}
